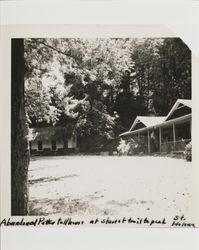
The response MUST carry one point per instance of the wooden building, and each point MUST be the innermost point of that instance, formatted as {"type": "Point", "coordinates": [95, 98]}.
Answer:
{"type": "Point", "coordinates": [52, 141]}
{"type": "Point", "coordinates": [166, 134]}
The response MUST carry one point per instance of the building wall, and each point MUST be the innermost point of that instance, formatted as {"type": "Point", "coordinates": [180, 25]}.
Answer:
{"type": "Point", "coordinates": [60, 144]}
{"type": "Point", "coordinates": [72, 142]}
{"type": "Point", "coordinates": [34, 145]}
{"type": "Point", "coordinates": [47, 144]}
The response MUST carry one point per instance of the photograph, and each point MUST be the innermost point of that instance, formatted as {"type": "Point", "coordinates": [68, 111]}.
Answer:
{"type": "Point", "coordinates": [101, 127]}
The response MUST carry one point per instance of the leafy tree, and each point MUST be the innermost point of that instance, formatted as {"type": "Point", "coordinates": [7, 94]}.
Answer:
{"type": "Point", "coordinates": [38, 96]}
{"type": "Point", "coordinates": [144, 53]}
{"type": "Point", "coordinates": [79, 80]}
{"type": "Point", "coordinates": [173, 78]}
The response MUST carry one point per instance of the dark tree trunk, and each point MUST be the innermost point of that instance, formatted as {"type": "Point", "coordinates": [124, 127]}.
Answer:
{"type": "Point", "coordinates": [19, 143]}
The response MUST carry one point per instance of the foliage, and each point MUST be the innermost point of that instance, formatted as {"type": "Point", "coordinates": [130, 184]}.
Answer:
{"type": "Point", "coordinates": [173, 80]}
{"type": "Point", "coordinates": [99, 86]}
{"type": "Point", "coordinates": [131, 146]}
{"type": "Point", "coordinates": [188, 152]}
{"type": "Point", "coordinates": [82, 87]}
{"type": "Point", "coordinates": [123, 147]}
{"type": "Point", "coordinates": [162, 73]}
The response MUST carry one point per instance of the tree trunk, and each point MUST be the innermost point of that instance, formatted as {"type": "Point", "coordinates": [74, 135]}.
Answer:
{"type": "Point", "coordinates": [19, 143]}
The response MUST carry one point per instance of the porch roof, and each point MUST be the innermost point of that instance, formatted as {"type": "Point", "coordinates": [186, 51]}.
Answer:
{"type": "Point", "coordinates": [163, 124]}
{"type": "Point", "coordinates": [148, 121]}
{"type": "Point", "coordinates": [152, 121]}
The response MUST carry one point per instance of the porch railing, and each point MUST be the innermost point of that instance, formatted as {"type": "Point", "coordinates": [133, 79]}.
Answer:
{"type": "Point", "coordinates": [174, 146]}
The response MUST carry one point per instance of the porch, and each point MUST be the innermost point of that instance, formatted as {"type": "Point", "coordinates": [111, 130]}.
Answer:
{"type": "Point", "coordinates": [171, 136]}
{"type": "Point", "coordinates": [175, 135]}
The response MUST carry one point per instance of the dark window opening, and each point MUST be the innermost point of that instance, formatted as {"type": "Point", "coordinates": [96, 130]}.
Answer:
{"type": "Point", "coordinates": [40, 145]}
{"type": "Point", "coordinates": [54, 145]}
{"type": "Point", "coordinates": [66, 144]}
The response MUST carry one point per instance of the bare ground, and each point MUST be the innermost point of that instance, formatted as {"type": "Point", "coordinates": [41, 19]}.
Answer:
{"type": "Point", "coordinates": [94, 185]}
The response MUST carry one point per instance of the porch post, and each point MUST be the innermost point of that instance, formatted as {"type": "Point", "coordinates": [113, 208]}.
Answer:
{"type": "Point", "coordinates": [160, 137]}
{"type": "Point", "coordinates": [138, 136]}
{"type": "Point", "coordinates": [148, 141]}
{"type": "Point", "coordinates": [174, 137]}
{"type": "Point", "coordinates": [191, 128]}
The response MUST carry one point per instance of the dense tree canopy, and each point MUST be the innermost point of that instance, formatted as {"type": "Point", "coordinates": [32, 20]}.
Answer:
{"type": "Point", "coordinates": [100, 85]}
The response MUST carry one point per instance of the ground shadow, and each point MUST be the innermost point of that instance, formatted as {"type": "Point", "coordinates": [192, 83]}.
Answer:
{"type": "Point", "coordinates": [49, 179]}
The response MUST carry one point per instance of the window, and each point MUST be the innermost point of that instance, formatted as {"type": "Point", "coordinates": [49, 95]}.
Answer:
{"type": "Point", "coordinates": [66, 144]}
{"type": "Point", "coordinates": [40, 146]}
{"type": "Point", "coordinates": [54, 146]}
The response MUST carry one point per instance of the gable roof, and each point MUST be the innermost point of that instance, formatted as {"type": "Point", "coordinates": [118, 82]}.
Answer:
{"type": "Point", "coordinates": [184, 102]}
{"type": "Point", "coordinates": [148, 121]}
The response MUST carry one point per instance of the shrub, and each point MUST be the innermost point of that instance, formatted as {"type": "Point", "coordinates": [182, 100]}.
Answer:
{"type": "Point", "coordinates": [188, 152]}
{"type": "Point", "coordinates": [123, 147]}
{"type": "Point", "coordinates": [133, 147]}
{"type": "Point", "coordinates": [128, 147]}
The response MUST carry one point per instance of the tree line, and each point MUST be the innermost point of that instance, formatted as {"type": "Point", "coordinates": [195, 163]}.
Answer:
{"type": "Point", "coordinates": [100, 85]}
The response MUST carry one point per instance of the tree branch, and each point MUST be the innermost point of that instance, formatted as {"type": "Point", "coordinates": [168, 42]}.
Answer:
{"type": "Point", "coordinates": [55, 49]}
